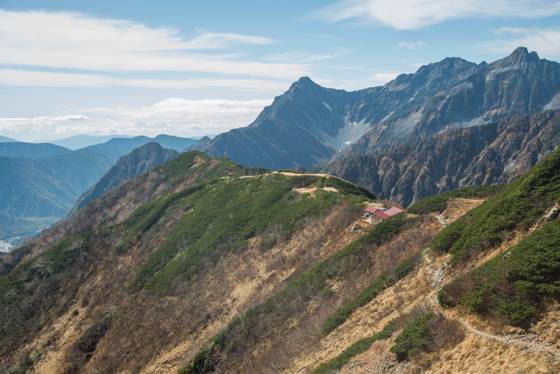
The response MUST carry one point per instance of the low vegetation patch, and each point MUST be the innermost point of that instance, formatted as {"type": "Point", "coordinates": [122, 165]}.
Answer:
{"type": "Point", "coordinates": [24, 366]}
{"type": "Point", "coordinates": [202, 168]}
{"type": "Point", "coordinates": [381, 283]}
{"type": "Point", "coordinates": [513, 287]}
{"type": "Point", "coordinates": [88, 341]}
{"type": "Point", "coordinates": [438, 203]}
{"type": "Point", "coordinates": [362, 345]}
{"type": "Point", "coordinates": [517, 206]}
{"type": "Point", "coordinates": [223, 216]}
{"type": "Point", "coordinates": [57, 258]}
{"type": "Point", "coordinates": [346, 187]}
{"type": "Point", "coordinates": [27, 293]}
{"type": "Point", "coordinates": [414, 338]}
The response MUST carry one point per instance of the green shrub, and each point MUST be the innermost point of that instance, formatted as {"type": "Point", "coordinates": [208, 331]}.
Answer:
{"type": "Point", "coordinates": [223, 216]}
{"type": "Point", "coordinates": [362, 345]}
{"type": "Point", "coordinates": [517, 206]}
{"type": "Point", "coordinates": [513, 287]}
{"type": "Point", "coordinates": [24, 366]}
{"type": "Point", "coordinates": [346, 187]}
{"type": "Point", "coordinates": [438, 203]}
{"type": "Point", "coordinates": [414, 338]}
{"type": "Point", "coordinates": [88, 341]}
{"type": "Point", "coordinates": [381, 283]}
{"type": "Point", "coordinates": [55, 259]}
{"type": "Point", "coordinates": [62, 254]}
{"type": "Point", "coordinates": [205, 170]}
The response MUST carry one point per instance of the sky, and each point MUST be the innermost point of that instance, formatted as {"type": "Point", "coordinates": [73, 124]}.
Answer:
{"type": "Point", "coordinates": [194, 68]}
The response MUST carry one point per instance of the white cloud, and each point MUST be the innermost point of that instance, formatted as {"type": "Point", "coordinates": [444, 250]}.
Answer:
{"type": "Point", "coordinates": [412, 45]}
{"type": "Point", "coordinates": [302, 57]}
{"type": "Point", "coordinates": [211, 40]}
{"type": "Point", "coordinates": [415, 14]}
{"type": "Point", "coordinates": [172, 116]}
{"type": "Point", "coordinates": [545, 41]}
{"type": "Point", "coordinates": [28, 78]}
{"type": "Point", "coordinates": [79, 41]}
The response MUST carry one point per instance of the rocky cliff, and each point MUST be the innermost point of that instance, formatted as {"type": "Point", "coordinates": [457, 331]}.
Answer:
{"type": "Point", "coordinates": [310, 124]}
{"type": "Point", "coordinates": [495, 153]}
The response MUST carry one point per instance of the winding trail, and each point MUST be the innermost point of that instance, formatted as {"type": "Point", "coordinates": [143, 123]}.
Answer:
{"type": "Point", "coordinates": [526, 342]}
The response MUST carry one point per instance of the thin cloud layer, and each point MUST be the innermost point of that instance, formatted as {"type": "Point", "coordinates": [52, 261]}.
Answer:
{"type": "Point", "coordinates": [415, 14]}
{"type": "Point", "coordinates": [173, 116]}
{"type": "Point", "coordinates": [78, 41]}
{"type": "Point", "coordinates": [28, 78]}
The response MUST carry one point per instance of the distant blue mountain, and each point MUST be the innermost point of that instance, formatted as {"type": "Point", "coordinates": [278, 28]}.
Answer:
{"type": "Point", "coordinates": [41, 181]}
{"type": "Point", "coordinates": [84, 140]}
{"type": "Point", "coordinates": [31, 150]}
{"type": "Point", "coordinates": [4, 139]}
{"type": "Point", "coordinates": [139, 161]}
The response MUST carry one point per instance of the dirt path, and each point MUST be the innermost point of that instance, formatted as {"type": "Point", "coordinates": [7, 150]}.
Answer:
{"type": "Point", "coordinates": [455, 209]}
{"type": "Point", "coordinates": [526, 342]}
{"type": "Point", "coordinates": [290, 174]}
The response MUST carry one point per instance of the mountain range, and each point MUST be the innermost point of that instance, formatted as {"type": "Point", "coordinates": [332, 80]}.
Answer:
{"type": "Point", "coordinates": [137, 162]}
{"type": "Point", "coordinates": [37, 191]}
{"type": "Point", "coordinates": [172, 260]}
{"type": "Point", "coordinates": [4, 139]}
{"type": "Point", "coordinates": [31, 150]}
{"type": "Point", "coordinates": [495, 153]}
{"type": "Point", "coordinates": [352, 133]}
{"type": "Point", "coordinates": [205, 266]}
{"type": "Point", "coordinates": [83, 140]}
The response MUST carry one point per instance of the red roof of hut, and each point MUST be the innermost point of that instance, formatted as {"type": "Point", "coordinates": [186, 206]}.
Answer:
{"type": "Point", "coordinates": [393, 211]}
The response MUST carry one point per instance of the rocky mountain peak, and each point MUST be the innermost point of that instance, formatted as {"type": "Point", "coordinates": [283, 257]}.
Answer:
{"type": "Point", "coordinates": [304, 84]}
{"type": "Point", "coordinates": [447, 66]}
{"type": "Point", "coordinates": [519, 56]}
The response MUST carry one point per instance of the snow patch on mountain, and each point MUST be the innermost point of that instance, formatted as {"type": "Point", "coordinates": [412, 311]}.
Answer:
{"type": "Point", "coordinates": [347, 135]}
{"type": "Point", "coordinates": [554, 103]}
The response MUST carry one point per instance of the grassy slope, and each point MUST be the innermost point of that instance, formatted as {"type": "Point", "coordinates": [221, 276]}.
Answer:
{"type": "Point", "coordinates": [513, 287]}
{"type": "Point", "coordinates": [362, 345]}
{"type": "Point", "coordinates": [222, 216]}
{"type": "Point", "coordinates": [224, 211]}
{"type": "Point", "coordinates": [517, 206]}
{"type": "Point", "coordinates": [313, 283]}
{"type": "Point", "coordinates": [438, 203]}
{"type": "Point", "coordinates": [382, 282]}
{"type": "Point", "coordinates": [27, 293]}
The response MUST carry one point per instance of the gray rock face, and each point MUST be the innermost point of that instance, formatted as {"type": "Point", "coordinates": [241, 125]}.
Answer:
{"type": "Point", "coordinates": [309, 124]}
{"type": "Point", "coordinates": [139, 161]}
{"type": "Point", "coordinates": [293, 132]}
{"type": "Point", "coordinates": [455, 93]}
{"type": "Point", "coordinates": [490, 154]}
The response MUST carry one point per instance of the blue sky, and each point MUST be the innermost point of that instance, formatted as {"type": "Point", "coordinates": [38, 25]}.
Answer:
{"type": "Point", "coordinates": [202, 67]}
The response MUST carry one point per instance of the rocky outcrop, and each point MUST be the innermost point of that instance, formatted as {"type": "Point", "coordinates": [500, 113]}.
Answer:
{"type": "Point", "coordinates": [495, 153]}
